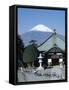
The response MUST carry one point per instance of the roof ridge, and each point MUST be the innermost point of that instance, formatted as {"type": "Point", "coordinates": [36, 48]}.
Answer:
{"type": "Point", "coordinates": [49, 38]}
{"type": "Point", "coordinates": [55, 47]}
{"type": "Point", "coordinates": [46, 40]}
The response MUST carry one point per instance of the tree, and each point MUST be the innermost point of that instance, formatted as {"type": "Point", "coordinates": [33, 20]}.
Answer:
{"type": "Point", "coordinates": [33, 42]}
{"type": "Point", "coordinates": [19, 54]}
{"type": "Point", "coordinates": [30, 54]}
{"type": "Point", "coordinates": [20, 48]}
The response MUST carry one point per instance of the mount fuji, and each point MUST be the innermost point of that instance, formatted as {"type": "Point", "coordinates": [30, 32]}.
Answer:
{"type": "Point", "coordinates": [39, 33]}
{"type": "Point", "coordinates": [41, 28]}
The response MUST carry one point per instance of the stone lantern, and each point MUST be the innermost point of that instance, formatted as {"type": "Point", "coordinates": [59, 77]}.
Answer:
{"type": "Point", "coordinates": [40, 60]}
{"type": "Point", "coordinates": [40, 69]}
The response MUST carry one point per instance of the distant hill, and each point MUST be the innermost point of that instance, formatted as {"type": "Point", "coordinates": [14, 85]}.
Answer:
{"type": "Point", "coordinates": [39, 36]}
{"type": "Point", "coordinates": [39, 33]}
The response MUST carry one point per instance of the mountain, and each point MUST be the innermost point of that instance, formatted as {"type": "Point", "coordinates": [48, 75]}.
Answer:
{"type": "Point", "coordinates": [40, 33]}
{"type": "Point", "coordinates": [42, 28]}
{"type": "Point", "coordinates": [35, 35]}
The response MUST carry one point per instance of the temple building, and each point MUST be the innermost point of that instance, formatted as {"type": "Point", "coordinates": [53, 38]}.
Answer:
{"type": "Point", "coordinates": [53, 49]}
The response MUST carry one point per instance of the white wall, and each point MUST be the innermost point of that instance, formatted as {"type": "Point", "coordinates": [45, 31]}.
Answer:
{"type": "Point", "coordinates": [4, 44]}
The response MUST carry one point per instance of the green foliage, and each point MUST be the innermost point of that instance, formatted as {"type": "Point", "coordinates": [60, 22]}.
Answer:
{"type": "Point", "coordinates": [30, 54]}
{"type": "Point", "coordinates": [20, 50]}
{"type": "Point", "coordinates": [19, 54]}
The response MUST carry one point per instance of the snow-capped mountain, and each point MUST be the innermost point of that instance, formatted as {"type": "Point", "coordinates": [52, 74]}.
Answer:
{"type": "Point", "coordinates": [42, 28]}
{"type": "Point", "coordinates": [39, 33]}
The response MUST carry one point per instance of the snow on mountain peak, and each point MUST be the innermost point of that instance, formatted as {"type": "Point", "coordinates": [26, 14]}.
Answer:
{"type": "Point", "coordinates": [42, 28]}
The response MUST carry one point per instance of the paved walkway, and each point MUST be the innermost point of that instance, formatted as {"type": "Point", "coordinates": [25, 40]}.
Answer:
{"type": "Point", "coordinates": [55, 73]}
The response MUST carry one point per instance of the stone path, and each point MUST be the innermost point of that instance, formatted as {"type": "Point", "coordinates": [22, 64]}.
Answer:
{"type": "Point", "coordinates": [54, 73]}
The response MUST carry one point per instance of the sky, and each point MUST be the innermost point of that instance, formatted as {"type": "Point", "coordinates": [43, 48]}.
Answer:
{"type": "Point", "coordinates": [29, 18]}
